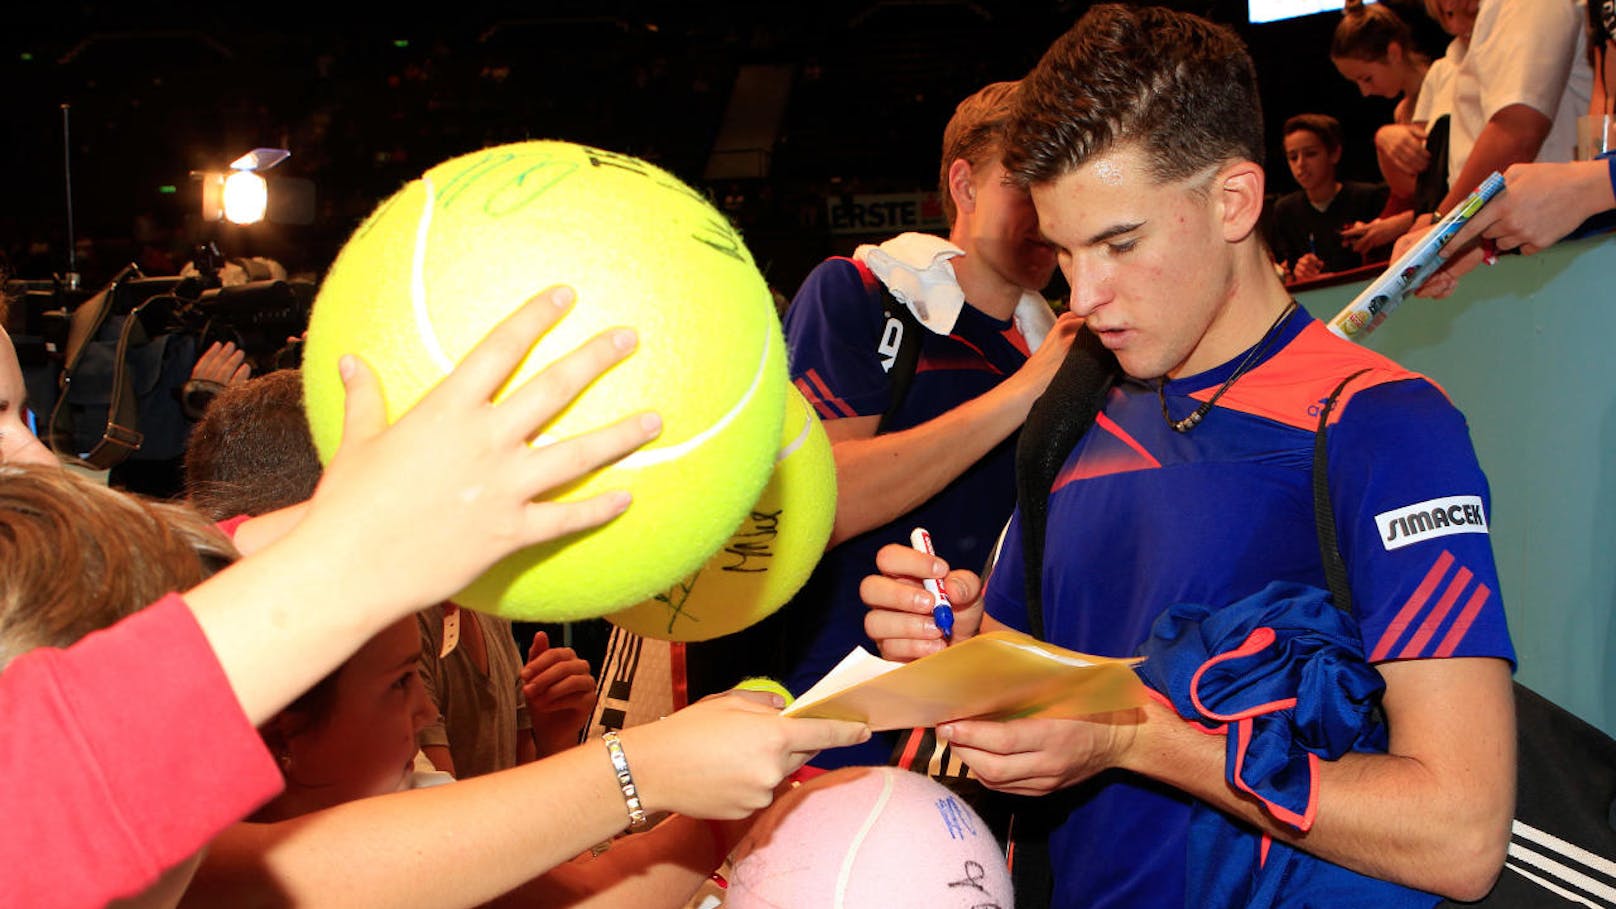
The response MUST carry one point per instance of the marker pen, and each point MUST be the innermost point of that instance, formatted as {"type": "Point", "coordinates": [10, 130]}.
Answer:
{"type": "Point", "coordinates": [943, 612]}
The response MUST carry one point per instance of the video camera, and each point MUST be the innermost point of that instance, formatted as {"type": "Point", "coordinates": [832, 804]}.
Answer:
{"type": "Point", "coordinates": [259, 316]}
{"type": "Point", "coordinates": [128, 352]}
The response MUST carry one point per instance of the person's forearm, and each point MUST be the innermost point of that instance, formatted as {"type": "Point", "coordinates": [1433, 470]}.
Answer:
{"type": "Point", "coordinates": [1598, 182]}
{"type": "Point", "coordinates": [280, 621]}
{"type": "Point", "coordinates": [662, 867]}
{"type": "Point", "coordinates": [882, 477]}
{"type": "Point", "coordinates": [259, 531]}
{"type": "Point", "coordinates": [1442, 829]}
{"type": "Point", "coordinates": [1399, 181]}
{"type": "Point", "coordinates": [1513, 135]}
{"type": "Point", "coordinates": [461, 844]}
{"type": "Point", "coordinates": [1434, 844]}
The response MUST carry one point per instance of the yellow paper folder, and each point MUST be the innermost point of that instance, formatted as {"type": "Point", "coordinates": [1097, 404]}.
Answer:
{"type": "Point", "coordinates": [999, 675]}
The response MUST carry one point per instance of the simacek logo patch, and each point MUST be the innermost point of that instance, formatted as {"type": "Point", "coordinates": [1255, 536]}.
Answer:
{"type": "Point", "coordinates": [1431, 519]}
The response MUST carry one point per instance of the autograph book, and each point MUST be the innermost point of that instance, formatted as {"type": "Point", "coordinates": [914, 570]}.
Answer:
{"type": "Point", "coordinates": [999, 675]}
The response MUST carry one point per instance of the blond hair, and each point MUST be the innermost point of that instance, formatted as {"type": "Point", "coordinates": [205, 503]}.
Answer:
{"type": "Point", "coordinates": [976, 134]}
{"type": "Point", "coordinates": [76, 556]}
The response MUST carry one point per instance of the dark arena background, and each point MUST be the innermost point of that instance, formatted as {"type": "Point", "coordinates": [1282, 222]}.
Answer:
{"type": "Point", "coordinates": [815, 126]}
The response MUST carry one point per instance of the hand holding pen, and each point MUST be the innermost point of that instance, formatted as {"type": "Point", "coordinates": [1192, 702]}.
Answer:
{"type": "Point", "coordinates": [943, 612]}
{"type": "Point", "coordinates": [903, 616]}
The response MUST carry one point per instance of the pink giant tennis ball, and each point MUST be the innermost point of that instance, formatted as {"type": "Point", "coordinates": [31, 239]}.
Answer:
{"type": "Point", "coordinates": [869, 838]}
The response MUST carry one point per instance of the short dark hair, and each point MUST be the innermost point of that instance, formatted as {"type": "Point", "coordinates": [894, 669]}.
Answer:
{"type": "Point", "coordinates": [1326, 127]}
{"type": "Point", "coordinates": [1181, 88]}
{"type": "Point", "coordinates": [252, 451]}
{"type": "Point", "coordinates": [1365, 32]}
{"type": "Point", "coordinates": [975, 133]}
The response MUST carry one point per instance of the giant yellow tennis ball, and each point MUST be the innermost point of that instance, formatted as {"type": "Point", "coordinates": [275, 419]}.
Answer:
{"type": "Point", "coordinates": [436, 266]}
{"type": "Point", "coordinates": [768, 557]}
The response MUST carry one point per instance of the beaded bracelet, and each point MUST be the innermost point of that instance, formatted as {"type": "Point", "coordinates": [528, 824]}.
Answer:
{"type": "Point", "coordinates": [625, 780]}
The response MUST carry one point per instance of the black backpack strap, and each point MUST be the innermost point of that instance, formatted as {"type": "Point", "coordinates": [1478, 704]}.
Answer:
{"type": "Point", "coordinates": [1335, 568]}
{"type": "Point", "coordinates": [1057, 420]}
{"type": "Point", "coordinates": [905, 361]}
{"type": "Point", "coordinates": [907, 357]}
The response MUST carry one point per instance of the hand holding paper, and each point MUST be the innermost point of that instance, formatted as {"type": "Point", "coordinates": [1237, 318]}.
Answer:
{"type": "Point", "coordinates": [997, 675]}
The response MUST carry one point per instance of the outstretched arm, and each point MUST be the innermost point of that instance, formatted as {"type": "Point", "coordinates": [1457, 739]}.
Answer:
{"type": "Point", "coordinates": [880, 477]}
{"type": "Point", "coordinates": [659, 869]}
{"type": "Point", "coordinates": [466, 843]}
{"type": "Point", "coordinates": [362, 555]}
{"type": "Point", "coordinates": [1540, 205]}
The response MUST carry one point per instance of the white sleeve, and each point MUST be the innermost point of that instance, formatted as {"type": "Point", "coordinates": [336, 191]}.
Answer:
{"type": "Point", "coordinates": [1523, 51]}
{"type": "Point", "coordinates": [1436, 92]}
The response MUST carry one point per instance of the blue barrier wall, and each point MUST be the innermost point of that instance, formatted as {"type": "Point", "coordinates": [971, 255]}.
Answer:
{"type": "Point", "coordinates": [1524, 348]}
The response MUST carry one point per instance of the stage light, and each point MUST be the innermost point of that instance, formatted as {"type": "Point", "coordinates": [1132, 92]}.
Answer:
{"type": "Point", "coordinates": [246, 196]}
{"type": "Point", "coordinates": [241, 196]}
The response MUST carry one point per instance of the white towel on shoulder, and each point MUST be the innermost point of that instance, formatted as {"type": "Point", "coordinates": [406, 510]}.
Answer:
{"type": "Point", "coordinates": [915, 267]}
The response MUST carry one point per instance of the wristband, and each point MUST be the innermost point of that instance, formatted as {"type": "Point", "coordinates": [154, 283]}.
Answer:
{"type": "Point", "coordinates": [625, 781]}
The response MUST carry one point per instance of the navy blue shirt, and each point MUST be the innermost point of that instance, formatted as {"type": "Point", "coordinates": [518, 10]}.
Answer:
{"type": "Point", "coordinates": [834, 333]}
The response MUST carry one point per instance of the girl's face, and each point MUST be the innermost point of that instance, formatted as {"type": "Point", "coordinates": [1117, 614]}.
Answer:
{"type": "Point", "coordinates": [364, 743]}
{"type": "Point", "coordinates": [1381, 78]}
{"type": "Point", "coordinates": [1458, 16]}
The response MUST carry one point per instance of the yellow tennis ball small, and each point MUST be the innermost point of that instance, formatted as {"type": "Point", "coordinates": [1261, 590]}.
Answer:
{"type": "Point", "coordinates": [768, 557]}
{"type": "Point", "coordinates": [447, 257]}
{"type": "Point", "coordinates": [761, 683]}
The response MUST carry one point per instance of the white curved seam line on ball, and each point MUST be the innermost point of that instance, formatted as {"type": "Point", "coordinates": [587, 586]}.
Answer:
{"type": "Point", "coordinates": [654, 456]}
{"type": "Point", "coordinates": [844, 877]}
{"type": "Point", "coordinates": [423, 319]}
{"type": "Point", "coordinates": [801, 439]}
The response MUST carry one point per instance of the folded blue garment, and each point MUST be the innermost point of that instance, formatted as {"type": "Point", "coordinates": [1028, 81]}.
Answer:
{"type": "Point", "coordinates": [1287, 669]}
{"type": "Point", "coordinates": [1282, 673]}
